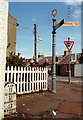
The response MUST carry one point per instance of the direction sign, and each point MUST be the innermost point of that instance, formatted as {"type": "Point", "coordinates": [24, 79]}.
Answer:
{"type": "Point", "coordinates": [59, 24]}
{"type": "Point", "coordinates": [71, 24]}
{"type": "Point", "coordinates": [69, 44]}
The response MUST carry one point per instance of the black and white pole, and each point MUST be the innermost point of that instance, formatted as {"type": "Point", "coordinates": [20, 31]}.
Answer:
{"type": "Point", "coordinates": [53, 52]}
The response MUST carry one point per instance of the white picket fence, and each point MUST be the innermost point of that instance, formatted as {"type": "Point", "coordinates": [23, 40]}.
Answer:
{"type": "Point", "coordinates": [27, 79]}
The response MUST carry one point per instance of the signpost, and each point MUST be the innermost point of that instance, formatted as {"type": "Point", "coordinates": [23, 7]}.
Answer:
{"type": "Point", "coordinates": [59, 24]}
{"type": "Point", "coordinates": [55, 26]}
{"type": "Point", "coordinates": [68, 23]}
{"type": "Point", "coordinates": [69, 44]}
{"type": "Point", "coordinates": [71, 24]}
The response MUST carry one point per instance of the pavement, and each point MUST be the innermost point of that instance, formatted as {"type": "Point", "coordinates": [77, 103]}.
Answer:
{"type": "Point", "coordinates": [66, 78]}
{"type": "Point", "coordinates": [66, 103]}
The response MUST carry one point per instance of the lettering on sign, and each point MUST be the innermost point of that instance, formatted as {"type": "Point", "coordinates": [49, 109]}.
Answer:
{"type": "Point", "coordinates": [59, 24]}
{"type": "Point", "coordinates": [71, 24]}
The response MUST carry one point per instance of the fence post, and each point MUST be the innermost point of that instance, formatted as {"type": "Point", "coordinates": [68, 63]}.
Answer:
{"type": "Point", "coordinates": [14, 77]}
{"type": "Point", "coordinates": [46, 78]}
{"type": "Point", "coordinates": [37, 82]}
{"type": "Point", "coordinates": [33, 78]}
{"type": "Point", "coordinates": [8, 74]}
{"type": "Point", "coordinates": [30, 80]}
{"type": "Point", "coordinates": [27, 80]}
{"type": "Point", "coordinates": [21, 71]}
{"type": "Point", "coordinates": [11, 72]}
{"type": "Point", "coordinates": [24, 71]}
{"type": "Point", "coordinates": [18, 69]}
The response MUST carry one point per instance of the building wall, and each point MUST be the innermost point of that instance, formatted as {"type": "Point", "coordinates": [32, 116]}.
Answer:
{"type": "Point", "coordinates": [3, 45]}
{"type": "Point", "coordinates": [64, 71]}
{"type": "Point", "coordinates": [11, 42]}
{"type": "Point", "coordinates": [78, 70]}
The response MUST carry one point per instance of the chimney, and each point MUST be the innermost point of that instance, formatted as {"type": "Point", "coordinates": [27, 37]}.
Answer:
{"type": "Point", "coordinates": [65, 53]}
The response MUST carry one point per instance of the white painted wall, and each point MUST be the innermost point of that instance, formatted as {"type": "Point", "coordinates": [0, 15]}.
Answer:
{"type": "Point", "coordinates": [78, 70]}
{"type": "Point", "coordinates": [3, 44]}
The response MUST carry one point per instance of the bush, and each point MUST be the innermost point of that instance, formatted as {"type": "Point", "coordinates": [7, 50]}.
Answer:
{"type": "Point", "coordinates": [15, 60]}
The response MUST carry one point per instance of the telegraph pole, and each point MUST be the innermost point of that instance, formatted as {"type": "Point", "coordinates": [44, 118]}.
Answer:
{"type": "Point", "coordinates": [35, 43]}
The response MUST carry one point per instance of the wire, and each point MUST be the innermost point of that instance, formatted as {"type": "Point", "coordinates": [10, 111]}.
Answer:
{"type": "Point", "coordinates": [22, 27]}
{"type": "Point", "coordinates": [68, 10]}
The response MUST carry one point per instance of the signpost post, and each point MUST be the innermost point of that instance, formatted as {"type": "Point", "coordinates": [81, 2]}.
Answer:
{"type": "Point", "coordinates": [69, 44]}
{"type": "Point", "coordinates": [55, 26]}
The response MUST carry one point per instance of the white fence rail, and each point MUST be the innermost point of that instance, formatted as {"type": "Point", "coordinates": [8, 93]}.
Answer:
{"type": "Point", "coordinates": [27, 79]}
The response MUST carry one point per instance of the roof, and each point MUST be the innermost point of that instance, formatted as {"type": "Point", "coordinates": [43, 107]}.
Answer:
{"type": "Point", "coordinates": [65, 60]}
{"type": "Point", "coordinates": [12, 20]}
{"type": "Point", "coordinates": [41, 61]}
{"type": "Point", "coordinates": [61, 59]}
{"type": "Point", "coordinates": [9, 15]}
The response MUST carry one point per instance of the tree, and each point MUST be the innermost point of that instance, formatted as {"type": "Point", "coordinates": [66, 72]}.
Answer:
{"type": "Point", "coordinates": [15, 60]}
{"type": "Point", "coordinates": [46, 63]}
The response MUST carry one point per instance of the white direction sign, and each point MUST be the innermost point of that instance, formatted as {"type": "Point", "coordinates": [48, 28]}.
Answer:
{"type": "Point", "coordinates": [70, 24]}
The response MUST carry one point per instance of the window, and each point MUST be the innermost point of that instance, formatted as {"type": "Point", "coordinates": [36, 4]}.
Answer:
{"type": "Point", "coordinates": [73, 57]}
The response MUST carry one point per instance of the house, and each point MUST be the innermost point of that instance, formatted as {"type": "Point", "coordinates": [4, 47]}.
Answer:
{"type": "Point", "coordinates": [78, 71]}
{"type": "Point", "coordinates": [63, 66]}
{"type": "Point", "coordinates": [11, 42]}
{"type": "Point", "coordinates": [62, 63]}
{"type": "Point", "coordinates": [49, 58]}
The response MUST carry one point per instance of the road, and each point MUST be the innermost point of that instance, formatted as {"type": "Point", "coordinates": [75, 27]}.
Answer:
{"type": "Point", "coordinates": [45, 105]}
{"type": "Point", "coordinates": [65, 78]}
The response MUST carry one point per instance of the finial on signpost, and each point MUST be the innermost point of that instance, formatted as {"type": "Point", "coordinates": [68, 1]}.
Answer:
{"type": "Point", "coordinates": [54, 12]}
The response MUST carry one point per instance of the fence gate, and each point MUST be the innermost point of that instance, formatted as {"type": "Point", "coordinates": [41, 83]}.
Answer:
{"type": "Point", "coordinates": [10, 99]}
